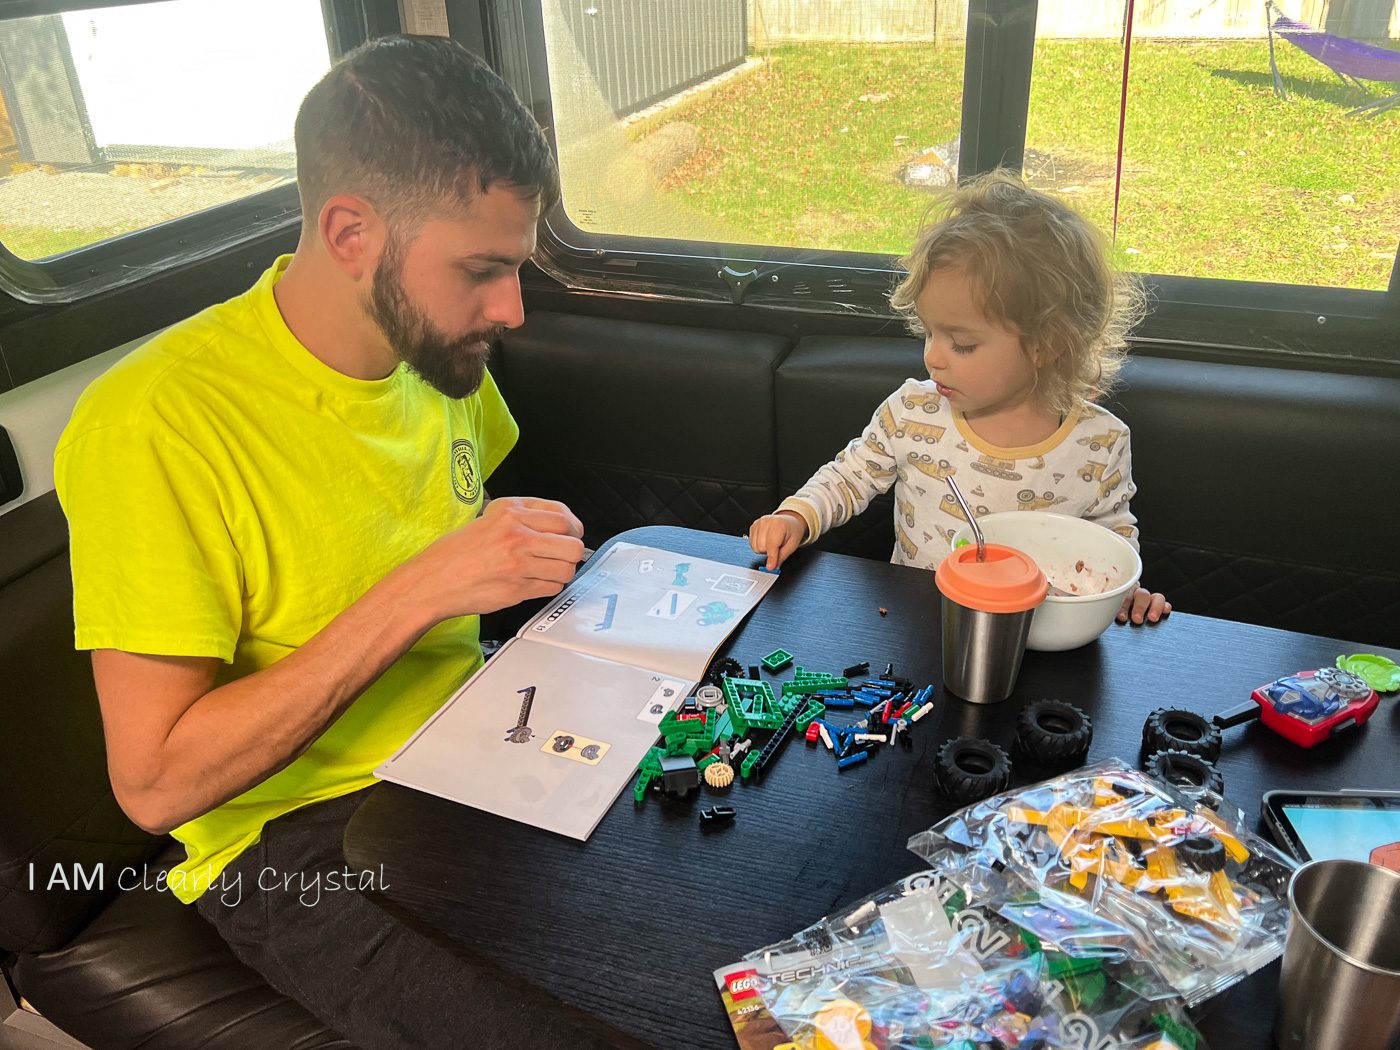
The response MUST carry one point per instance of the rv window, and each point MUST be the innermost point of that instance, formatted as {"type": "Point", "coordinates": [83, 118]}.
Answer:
{"type": "Point", "coordinates": [737, 122]}
{"type": "Point", "coordinates": [783, 154]}
{"type": "Point", "coordinates": [1217, 177]}
{"type": "Point", "coordinates": [117, 120]}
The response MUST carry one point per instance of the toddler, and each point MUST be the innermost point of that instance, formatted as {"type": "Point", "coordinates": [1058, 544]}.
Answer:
{"type": "Point", "coordinates": [1023, 321]}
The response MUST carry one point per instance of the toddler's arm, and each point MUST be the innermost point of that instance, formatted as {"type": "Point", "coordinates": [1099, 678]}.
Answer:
{"type": "Point", "coordinates": [835, 494]}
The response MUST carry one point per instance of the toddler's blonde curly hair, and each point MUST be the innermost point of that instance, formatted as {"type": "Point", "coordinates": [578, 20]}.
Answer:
{"type": "Point", "coordinates": [1045, 273]}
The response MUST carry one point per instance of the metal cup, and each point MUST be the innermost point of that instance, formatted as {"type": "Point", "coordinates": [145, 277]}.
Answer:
{"type": "Point", "coordinates": [1340, 988]}
{"type": "Point", "coordinates": [982, 651]}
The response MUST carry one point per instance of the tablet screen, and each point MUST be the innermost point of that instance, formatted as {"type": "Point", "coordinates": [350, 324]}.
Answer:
{"type": "Point", "coordinates": [1351, 829]}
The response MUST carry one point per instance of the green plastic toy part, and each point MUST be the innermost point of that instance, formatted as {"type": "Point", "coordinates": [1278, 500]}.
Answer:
{"type": "Point", "coordinates": [777, 660]}
{"type": "Point", "coordinates": [1379, 672]}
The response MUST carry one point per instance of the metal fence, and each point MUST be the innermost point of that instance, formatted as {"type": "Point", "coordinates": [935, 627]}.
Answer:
{"type": "Point", "coordinates": [782, 21]}
{"type": "Point", "coordinates": [641, 51]}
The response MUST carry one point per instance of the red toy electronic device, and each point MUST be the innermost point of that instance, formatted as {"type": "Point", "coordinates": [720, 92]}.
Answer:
{"type": "Point", "coordinates": [1308, 707]}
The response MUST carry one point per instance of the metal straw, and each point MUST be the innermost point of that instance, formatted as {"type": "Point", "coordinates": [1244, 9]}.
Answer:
{"type": "Point", "coordinates": [971, 519]}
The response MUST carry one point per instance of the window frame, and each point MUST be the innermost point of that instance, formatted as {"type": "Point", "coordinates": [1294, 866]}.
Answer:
{"type": "Point", "coordinates": [1261, 321]}
{"type": "Point", "coordinates": [92, 269]}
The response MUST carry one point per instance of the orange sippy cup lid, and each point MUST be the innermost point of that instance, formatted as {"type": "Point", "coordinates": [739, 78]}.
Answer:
{"type": "Point", "coordinates": [1007, 581]}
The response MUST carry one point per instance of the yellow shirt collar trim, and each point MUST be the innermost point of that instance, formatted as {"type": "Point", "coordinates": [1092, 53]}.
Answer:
{"type": "Point", "coordinates": [1023, 452]}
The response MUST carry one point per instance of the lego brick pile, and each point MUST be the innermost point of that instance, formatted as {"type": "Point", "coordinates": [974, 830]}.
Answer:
{"type": "Point", "coordinates": [738, 726]}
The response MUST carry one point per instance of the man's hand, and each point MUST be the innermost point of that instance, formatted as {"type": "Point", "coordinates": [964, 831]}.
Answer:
{"type": "Point", "coordinates": [1143, 606]}
{"type": "Point", "coordinates": [518, 548]}
{"type": "Point", "coordinates": [777, 535]}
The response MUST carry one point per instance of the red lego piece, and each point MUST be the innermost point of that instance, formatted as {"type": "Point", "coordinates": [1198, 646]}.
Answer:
{"type": "Point", "coordinates": [813, 733]}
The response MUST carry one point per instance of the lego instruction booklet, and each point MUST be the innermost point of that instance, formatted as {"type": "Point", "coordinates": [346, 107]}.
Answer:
{"type": "Point", "coordinates": [554, 725]}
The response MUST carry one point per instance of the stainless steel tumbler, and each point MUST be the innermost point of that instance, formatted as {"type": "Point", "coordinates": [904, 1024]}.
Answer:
{"type": "Point", "coordinates": [1340, 988]}
{"type": "Point", "coordinates": [988, 603]}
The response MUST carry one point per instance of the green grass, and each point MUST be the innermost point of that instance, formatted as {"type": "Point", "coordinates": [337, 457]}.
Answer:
{"type": "Point", "coordinates": [40, 242]}
{"type": "Point", "coordinates": [1220, 178]}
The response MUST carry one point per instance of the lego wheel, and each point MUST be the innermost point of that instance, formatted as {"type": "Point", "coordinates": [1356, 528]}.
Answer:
{"type": "Point", "coordinates": [969, 769]}
{"type": "Point", "coordinates": [1054, 734]}
{"type": "Point", "coordinates": [1191, 773]}
{"type": "Point", "coordinates": [1175, 729]}
{"type": "Point", "coordinates": [1265, 877]}
{"type": "Point", "coordinates": [1202, 852]}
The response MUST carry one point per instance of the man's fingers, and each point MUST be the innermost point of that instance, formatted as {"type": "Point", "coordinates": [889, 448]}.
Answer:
{"type": "Point", "coordinates": [548, 555]}
{"type": "Point", "coordinates": [554, 521]}
{"type": "Point", "coordinates": [532, 511]}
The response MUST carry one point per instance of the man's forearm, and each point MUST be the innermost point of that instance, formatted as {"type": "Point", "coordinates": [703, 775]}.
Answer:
{"type": "Point", "coordinates": [238, 735]}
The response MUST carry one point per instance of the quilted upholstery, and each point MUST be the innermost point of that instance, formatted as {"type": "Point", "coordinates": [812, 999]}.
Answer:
{"type": "Point", "coordinates": [637, 424]}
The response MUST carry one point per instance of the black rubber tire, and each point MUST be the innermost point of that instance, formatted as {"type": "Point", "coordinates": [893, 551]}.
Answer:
{"type": "Point", "coordinates": [1191, 774]}
{"type": "Point", "coordinates": [1202, 852]}
{"type": "Point", "coordinates": [1176, 729]}
{"type": "Point", "coordinates": [1266, 877]}
{"type": "Point", "coordinates": [1054, 734]}
{"type": "Point", "coordinates": [968, 769]}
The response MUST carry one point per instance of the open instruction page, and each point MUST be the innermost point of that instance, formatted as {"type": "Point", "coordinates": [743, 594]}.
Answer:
{"type": "Point", "coordinates": [554, 725]}
{"type": "Point", "coordinates": [651, 608]}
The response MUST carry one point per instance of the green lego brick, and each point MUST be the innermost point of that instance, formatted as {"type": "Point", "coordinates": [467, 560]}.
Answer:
{"type": "Point", "coordinates": [752, 705]}
{"type": "Point", "coordinates": [1180, 1034]}
{"type": "Point", "coordinates": [750, 760]}
{"type": "Point", "coordinates": [804, 681]}
{"type": "Point", "coordinates": [723, 728]}
{"type": "Point", "coordinates": [777, 660]}
{"type": "Point", "coordinates": [648, 769]}
{"type": "Point", "coordinates": [1062, 966]}
{"type": "Point", "coordinates": [814, 710]}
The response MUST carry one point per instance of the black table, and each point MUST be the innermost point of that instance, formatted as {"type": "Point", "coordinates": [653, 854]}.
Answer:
{"type": "Point", "coordinates": [630, 925]}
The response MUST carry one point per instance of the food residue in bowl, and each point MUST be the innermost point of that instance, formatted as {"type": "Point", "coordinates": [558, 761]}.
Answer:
{"type": "Point", "coordinates": [1079, 579]}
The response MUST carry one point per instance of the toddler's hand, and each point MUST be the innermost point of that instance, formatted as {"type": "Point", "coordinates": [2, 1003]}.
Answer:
{"type": "Point", "coordinates": [1142, 606]}
{"type": "Point", "coordinates": [777, 535]}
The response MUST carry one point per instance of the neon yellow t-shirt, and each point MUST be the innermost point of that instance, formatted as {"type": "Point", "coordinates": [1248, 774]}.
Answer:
{"type": "Point", "coordinates": [228, 495]}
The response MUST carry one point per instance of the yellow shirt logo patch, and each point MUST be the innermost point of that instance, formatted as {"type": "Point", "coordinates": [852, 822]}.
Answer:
{"type": "Point", "coordinates": [466, 479]}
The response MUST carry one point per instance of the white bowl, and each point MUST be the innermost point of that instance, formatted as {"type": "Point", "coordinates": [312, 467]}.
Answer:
{"type": "Point", "coordinates": [1058, 543]}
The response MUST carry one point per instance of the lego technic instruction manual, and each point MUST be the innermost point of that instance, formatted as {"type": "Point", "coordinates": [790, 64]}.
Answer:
{"type": "Point", "coordinates": [553, 726]}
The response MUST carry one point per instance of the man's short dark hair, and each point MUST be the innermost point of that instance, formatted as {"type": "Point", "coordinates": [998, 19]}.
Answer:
{"type": "Point", "coordinates": [417, 125]}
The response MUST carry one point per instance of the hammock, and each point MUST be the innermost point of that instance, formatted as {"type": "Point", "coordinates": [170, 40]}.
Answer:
{"type": "Point", "coordinates": [1352, 60]}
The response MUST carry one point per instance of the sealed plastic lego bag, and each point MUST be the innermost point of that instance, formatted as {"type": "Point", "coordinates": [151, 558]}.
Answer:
{"type": "Point", "coordinates": [923, 965]}
{"type": "Point", "coordinates": [1108, 862]}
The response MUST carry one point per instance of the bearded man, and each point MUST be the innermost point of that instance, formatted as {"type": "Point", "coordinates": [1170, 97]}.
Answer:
{"type": "Point", "coordinates": [282, 542]}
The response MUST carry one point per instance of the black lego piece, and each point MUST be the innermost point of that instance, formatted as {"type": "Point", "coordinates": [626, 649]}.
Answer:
{"type": "Point", "coordinates": [1192, 774]}
{"type": "Point", "coordinates": [1176, 729]}
{"type": "Point", "coordinates": [775, 743]}
{"type": "Point", "coordinates": [969, 769]}
{"type": "Point", "coordinates": [861, 668]}
{"type": "Point", "coordinates": [717, 817]}
{"type": "Point", "coordinates": [1054, 734]}
{"type": "Point", "coordinates": [679, 776]}
{"type": "Point", "coordinates": [1202, 852]}
{"type": "Point", "coordinates": [753, 672]}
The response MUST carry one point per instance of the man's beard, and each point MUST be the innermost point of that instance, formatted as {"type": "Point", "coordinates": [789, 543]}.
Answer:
{"type": "Point", "coordinates": [453, 366]}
